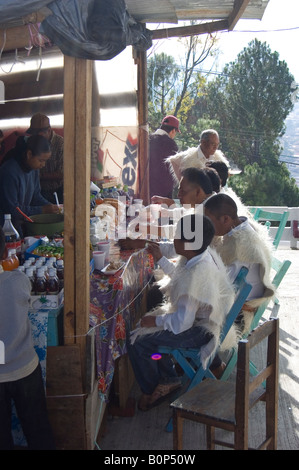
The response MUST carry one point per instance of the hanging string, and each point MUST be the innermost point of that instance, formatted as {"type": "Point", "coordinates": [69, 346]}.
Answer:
{"type": "Point", "coordinates": [17, 58]}
{"type": "Point", "coordinates": [118, 311]}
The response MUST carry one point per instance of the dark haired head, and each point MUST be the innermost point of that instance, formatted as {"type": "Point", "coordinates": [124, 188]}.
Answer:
{"type": "Point", "coordinates": [221, 204]}
{"type": "Point", "coordinates": [199, 178]}
{"type": "Point", "coordinates": [215, 179]}
{"type": "Point", "coordinates": [2, 242]}
{"type": "Point", "coordinates": [188, 229]}
{"type": "Point", "coordinates": [222, 170]}
{"type": "Point", "coordinates": [38, 144]}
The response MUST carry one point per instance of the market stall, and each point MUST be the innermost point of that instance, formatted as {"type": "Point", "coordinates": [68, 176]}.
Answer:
{"type": "Point", "coordinates": [73, 401]}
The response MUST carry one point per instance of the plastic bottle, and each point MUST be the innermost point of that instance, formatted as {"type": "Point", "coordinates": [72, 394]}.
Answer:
{"type": "Point", "coordinates": [7, 263]}
{"type": "Point", "coordinates": [29, 274]}
{"type": "Point", "coordinates": [60, 273]}
{"type": "Point", "coordinates": [12, 237]}
{"type": "Point", "coordinates": [21, 269]}
{"type": "Point", "coordinates": [15, 259]}
{"type": "Point", "coordinates": [40, 283]}
{"type": "Point", "coordinates": [53, 283]}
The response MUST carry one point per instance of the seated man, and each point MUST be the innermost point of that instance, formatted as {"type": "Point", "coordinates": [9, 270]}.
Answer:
{"type": "Point", "coordinates": [198, 295]}
{"type": "Point", "coordinates": [242, 242]}
{"type": "Point", "coordinates": [195, 187]}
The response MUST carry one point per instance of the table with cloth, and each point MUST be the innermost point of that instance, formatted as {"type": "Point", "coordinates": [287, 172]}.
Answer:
{"type": "Point", "coordinates": [115, 306]}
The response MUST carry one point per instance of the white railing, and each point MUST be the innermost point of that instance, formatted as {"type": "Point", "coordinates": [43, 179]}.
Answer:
{"type": "Point", "coordinates": [288, 238]}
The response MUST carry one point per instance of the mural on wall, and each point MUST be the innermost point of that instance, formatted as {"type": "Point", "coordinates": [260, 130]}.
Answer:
{"type": "Point", "coordinates": [115, 154]}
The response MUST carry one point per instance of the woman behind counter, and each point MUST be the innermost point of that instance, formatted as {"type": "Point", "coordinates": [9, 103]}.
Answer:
{"type": "Point", "coordinates": [20, 183]}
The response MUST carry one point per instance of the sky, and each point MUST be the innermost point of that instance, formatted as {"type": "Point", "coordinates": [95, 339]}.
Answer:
{"type": "Point", "coordinates": [279, 27]}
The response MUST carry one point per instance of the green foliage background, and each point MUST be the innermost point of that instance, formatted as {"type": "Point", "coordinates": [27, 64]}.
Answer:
{"type": "Point", "coordinates": [247, 104]}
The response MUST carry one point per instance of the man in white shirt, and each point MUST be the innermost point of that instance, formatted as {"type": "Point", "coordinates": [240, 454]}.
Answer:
{"type": "Point", "coordinates": [242, 242]}
{"type": "Point", "coordinates": [197, 157]}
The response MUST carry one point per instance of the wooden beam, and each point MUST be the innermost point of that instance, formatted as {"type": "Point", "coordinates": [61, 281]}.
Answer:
{"type": "Point", "coordinates": [82, 193]}
{"type": "Point", "coordinates": [237, 12]}
{"type": "Point", "coordinates": [77, 148]}
{"type": "Point", "coordinates": [69, 199]}
{"type": "Point", "coordinates": [143, 150]}
{"type": "Point", "coordinates": [210, 27]}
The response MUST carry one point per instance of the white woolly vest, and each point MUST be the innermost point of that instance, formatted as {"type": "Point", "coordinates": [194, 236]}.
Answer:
{"type": "Point", "coordinates": [210, 286]}
{"type": "Point", "coordinates": [192, 158]}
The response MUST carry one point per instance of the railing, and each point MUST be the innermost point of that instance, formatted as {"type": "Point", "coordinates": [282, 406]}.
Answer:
{"type": "Point", "coordinates": [291, 232]}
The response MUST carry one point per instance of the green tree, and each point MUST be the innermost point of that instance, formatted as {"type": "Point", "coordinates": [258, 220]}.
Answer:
{"type": "Point", "coordinates": [175, 88]}
{"type": "Point", "coordinates": [251, 100]}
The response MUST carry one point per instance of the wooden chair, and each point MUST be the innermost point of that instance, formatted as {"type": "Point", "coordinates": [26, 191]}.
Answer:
{"type": "Point", "coordinates": [189, 359]}
{"type": "Point", "coordinates": [280, 268]}
{"type": "Point", "coordinates": [226, 405]}
{"type": "Point", "coordinates": [268, 217]}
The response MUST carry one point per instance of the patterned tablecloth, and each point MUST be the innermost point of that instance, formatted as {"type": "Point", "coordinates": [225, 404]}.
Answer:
{"type": "Point", "coordinates": [114, 308]}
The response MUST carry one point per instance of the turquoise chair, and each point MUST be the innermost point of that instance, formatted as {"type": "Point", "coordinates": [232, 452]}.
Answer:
{"type": "Point", "coordinates": [260, 214]}
{"type": "Point", "coordinates": [189, 359]}
{"type": "Point", "coordinates": [280, 268]}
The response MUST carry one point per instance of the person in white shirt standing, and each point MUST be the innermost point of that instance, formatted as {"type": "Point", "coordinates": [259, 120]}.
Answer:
{"type": "Point", "coordinates": [197, 157]}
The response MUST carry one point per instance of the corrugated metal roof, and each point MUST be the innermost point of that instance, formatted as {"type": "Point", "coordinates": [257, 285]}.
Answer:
{"type": "Point", "coordinates": [172, 11]}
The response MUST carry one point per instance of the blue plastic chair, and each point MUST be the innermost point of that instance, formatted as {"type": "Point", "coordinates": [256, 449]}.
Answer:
{"type": "Point", "coordinates": [268, 217]}
{"type": "Point", "coordinates": [189, 359]}
{"type": "Point", "coordinates": [280, 268]}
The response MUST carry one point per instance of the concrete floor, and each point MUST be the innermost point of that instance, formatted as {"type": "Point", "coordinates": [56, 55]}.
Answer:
{"type": "Point", "coordinates": [146, 430]}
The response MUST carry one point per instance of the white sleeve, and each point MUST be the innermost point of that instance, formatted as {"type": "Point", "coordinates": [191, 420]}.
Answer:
{"type": "Point", "coordinates": [166, 265]}
{"type": "Point", "coordinates": [233, 269]}
{"type": "Point", "coordinates": [167, 249]}
{"type": "Point", "coordinates": [182, 319]}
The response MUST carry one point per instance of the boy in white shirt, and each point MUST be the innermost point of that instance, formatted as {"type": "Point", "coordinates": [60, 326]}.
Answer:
{"type": "Point", "coordinates": [198, 295]}
{"type": "Point", "coordinates": [242, 242]}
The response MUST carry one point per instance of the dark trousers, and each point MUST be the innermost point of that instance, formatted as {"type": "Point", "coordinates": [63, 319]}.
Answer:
{"type": "Point", "coordinates": [150, 372]}
{"type": "Point", "coordinates": [29, 397]}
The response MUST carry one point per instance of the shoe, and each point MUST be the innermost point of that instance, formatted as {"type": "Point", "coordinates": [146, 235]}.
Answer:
{"type": "Point", "coordinates": [161, 392]}
{"type": "Point", "coordinates": [143, 403]}
{"type": "Point", "coordinates": [218, 371]}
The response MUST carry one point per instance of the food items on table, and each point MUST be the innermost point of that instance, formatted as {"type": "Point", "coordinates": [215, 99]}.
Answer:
{"type": "Point", "coordinates": [114, 265]}
{"type": "Point", "coordinates": [48, 251]}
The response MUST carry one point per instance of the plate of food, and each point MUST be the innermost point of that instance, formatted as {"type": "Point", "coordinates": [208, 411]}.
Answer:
{"type": "Point", "coordinates": [113, 267]}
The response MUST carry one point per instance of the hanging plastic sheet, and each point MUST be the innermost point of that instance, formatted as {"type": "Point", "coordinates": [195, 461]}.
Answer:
{"type": "Point", "coordinates": [94, 29]}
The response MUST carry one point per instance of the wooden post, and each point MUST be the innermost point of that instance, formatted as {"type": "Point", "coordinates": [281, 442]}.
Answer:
{"type": "Point", "coordinates": [143, 152]}
{"type": "Point", "coordinates": [77, 150]}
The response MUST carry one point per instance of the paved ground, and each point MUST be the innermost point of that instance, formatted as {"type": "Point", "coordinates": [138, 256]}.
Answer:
{"type": "Point", "coordinates": [146, 431]}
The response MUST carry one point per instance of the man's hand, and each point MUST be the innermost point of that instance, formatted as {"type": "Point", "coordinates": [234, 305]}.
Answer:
{"type": "Point", "coordinates": [162, 200]}
{"type": "Point", "coordinates": [148, 321]}
{"type": "Point", "coordinates": [154, 249]}
{"type": "Point", "coordinates": [130, 244]}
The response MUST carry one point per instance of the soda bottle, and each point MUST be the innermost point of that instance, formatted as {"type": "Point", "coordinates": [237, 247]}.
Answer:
{"type": "Point", "coordinates": [12, 237]}
{"type": "Point", "coordinates": [40, 283]}
{"type": "Point", "coordinates": [52, 284]}
{"type": "Point", "coordinates": [60, 273]}
{"type": "Point", "coordinates": [7, 262]}
{"type": "Point", "coordinates": [29, 274]}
